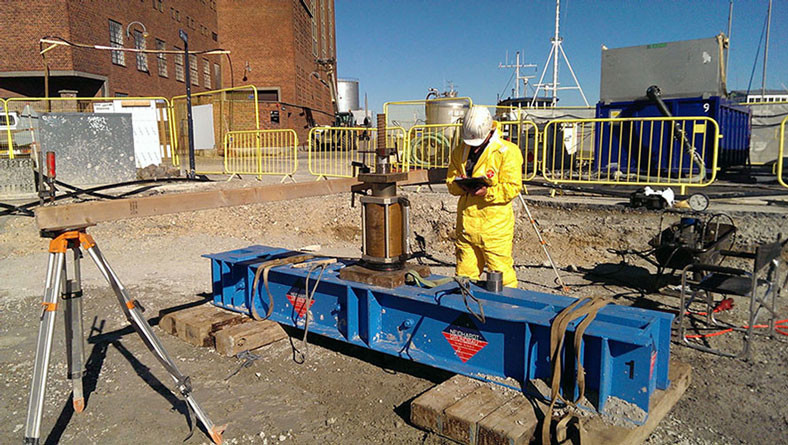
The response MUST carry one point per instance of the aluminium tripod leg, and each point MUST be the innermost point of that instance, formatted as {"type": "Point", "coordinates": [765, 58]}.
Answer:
{"type": "Point", "coordinates": [35, 407]}
{"type": "Point", "coordinates": [74, 333]}
{"type": "Point", "coordinates": [134, 315]}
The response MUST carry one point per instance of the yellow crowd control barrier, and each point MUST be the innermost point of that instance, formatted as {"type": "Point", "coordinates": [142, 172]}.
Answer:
{"type": "Point", "coordinates": [5, 137]}
{"type": "Point", "coordinates": [430, 146]}
{"type": "Point", "coordinates": [677, 151]}
{"type": "Point", "coordinates": [20, 117]}
{"type": "Point", "coordinates": [524, 134]}
{"type": "Point", "coordinates": [334, 150]}
{"type": "Point", "coordinates": [261, 152]}
{"type": "Point", "coordinates": [781, 154]}
{"type": "Point", "coordinates": [229, 109]}
{"type": "Point", "coordinates": [440, 110]}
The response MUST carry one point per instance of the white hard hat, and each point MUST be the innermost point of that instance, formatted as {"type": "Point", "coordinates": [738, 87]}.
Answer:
{"type": "Point", "coordinates": [476, 125]}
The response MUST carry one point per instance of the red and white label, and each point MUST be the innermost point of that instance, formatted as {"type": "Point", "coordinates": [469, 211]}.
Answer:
{"type": "Point", "coordinates": [299, 303]}
{"type": "Point", "coordinates": [464, 338]}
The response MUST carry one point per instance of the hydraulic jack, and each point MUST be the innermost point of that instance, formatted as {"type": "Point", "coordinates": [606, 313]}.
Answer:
{"type": "Point", "coordinates": [57, 283]}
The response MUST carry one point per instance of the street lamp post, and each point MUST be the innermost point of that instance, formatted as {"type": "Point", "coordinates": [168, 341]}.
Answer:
{"type": "Point", "coordinates": [189, 122]}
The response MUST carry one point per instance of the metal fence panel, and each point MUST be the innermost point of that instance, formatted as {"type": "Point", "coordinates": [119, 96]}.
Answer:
{"type": "Point", "coordinates": [781, 155]}
{"type": "Point", "coordinates": [681, 151]}
{"type": "Point", "coordinates": [233, 109]}
{"type": "Point", "coordinates": [339, 151]}
{"type": "Point", "coordinates": [22, 138]}
{"type": "Point", "coordinates": [430, 146]}
{"type": "Point", "coordinates": [5, 137]}
{"type": "Point", "coordinates": [524, 134]}
{"type": "Point", "coordinates": [261, 152]}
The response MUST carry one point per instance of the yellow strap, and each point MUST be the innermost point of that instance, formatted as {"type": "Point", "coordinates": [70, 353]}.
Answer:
{"type": "Point", "coordinates": [557, 335]}
{"type": "Point", "coordinates": [263, 269]}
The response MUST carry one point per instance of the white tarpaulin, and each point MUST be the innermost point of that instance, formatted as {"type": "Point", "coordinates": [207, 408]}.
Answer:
{"type": "Point", "coordinates": [765, 141]}
{"type": "Point", "coordinates": [203, 127]}
{"type": "Point", "coordinates": [145, 125]}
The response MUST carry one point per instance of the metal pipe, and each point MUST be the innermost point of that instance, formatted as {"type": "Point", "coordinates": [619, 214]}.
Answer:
{"type": "Point", "coordinates": [386, 231]}
{"type": "Point", "coordinates": [189, 121]}
{"type": "Point", "coordinates": [766, 51]}
{"type": "Point", "coordinates": [555, 60]}
{"type": "Point", "coordinates": [730, 23]}
{"type": "Point", "coordinates": [405, 203]}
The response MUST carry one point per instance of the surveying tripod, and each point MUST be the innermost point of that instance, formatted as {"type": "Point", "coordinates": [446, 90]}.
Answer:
{"type": "Point", "coordinates": [57, 284]}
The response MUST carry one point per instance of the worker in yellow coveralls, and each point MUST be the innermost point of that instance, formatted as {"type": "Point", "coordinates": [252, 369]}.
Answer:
{"type": "Point", "coordinates": [486, 173]}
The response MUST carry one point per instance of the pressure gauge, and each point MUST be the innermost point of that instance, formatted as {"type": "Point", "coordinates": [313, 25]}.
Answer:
{"type": "Point", "coordinates": [698, 202]}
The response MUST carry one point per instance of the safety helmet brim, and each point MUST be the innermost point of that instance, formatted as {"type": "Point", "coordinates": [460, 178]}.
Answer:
{"type": "Point", "coordinates": [475, 142]}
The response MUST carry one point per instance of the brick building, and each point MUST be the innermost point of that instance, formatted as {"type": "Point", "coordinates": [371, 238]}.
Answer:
{"type": "Point", "coordinates": [92, 72]}
{"type": "Point", "coordinates": [274, 45]}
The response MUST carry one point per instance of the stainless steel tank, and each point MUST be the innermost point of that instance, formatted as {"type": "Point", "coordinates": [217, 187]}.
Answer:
{"type": "Point", "coordinates": [347, 95]}
{"type": "Point", "coordinates": [445, 111]}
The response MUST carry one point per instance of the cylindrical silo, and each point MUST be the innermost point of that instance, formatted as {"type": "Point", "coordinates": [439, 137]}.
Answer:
{"type": "Point", "coordinates": [347, 95]}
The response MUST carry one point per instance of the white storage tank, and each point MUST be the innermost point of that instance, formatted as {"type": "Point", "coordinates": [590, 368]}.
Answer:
{"type": "Point", "coordinates": [347, 95]}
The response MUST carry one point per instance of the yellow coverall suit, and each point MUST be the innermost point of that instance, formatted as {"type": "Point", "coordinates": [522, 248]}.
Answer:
{"type": "Point", "coordinates": [485, 224]}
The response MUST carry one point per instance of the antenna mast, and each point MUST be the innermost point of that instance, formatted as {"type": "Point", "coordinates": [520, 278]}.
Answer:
{"type": "Point", "coordinates": [517, 75]}
{"type": "Point", "coordinates": [554, 51]}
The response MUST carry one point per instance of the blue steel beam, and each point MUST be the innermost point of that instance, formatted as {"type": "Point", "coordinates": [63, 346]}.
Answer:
{"type": "Point", "coordinates": [625, 350]}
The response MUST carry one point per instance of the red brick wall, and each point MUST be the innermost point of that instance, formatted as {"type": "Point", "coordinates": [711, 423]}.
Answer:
{"type": "Point", "coordinates": [281, 57]}
{"type": "Point", "coordinates": [24, 22]}
{"type": "Point", "coordinates": [87, 21]}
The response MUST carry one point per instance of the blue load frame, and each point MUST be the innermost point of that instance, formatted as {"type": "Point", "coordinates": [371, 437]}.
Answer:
{"type": "Point", "coordinates": [734, 121]}
{"type": "Point", "coordinates": [630, 346]}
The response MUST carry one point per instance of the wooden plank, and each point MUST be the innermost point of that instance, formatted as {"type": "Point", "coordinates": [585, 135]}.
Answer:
{"type": "Point", "coordinates": [199, 330]}
{"type": "Point", "coordinates": [86, 214]}
{"type": "Point", "coordinates": [167, 319]}
{"type": "Point", "coordinates": [513, 423]}
{"type": "Point", "coordinates": [243, 337]}
{"type": "Point", "coordinates": [599, 432]}
{"type": "Point", "coordinates": [427, 410]}
{"type": "Point", "coordinates": [462, 418]}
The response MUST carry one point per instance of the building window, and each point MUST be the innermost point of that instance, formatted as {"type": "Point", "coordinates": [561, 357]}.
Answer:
{"type": "Point", "coordinates": [158, 5]}
{"type": "Point", "coordinates": [314, 28]}
{"type": "Point", "coordinates": [324, 34]}
{"type": "Point", "coordinates": [119, 94]}
{"type": "Point", "coordinates": [161, 58]}
{"type": "Point", "coordinates": [116, 41]}
{"type": "Point", "coordinates": [217, 75]}
{"type": "Point", "coordinates": [142, 58]}
{"type": "Point", "coordinates": [206, 73]}
{"type": "Point", "coordinates": [215, 37]}
{"type": "Point", "coordinates": [179, 74]}
{"type": "Point", "coordinates": [331, 48]}
{"type": "Point", "coordinates": [193, 69]}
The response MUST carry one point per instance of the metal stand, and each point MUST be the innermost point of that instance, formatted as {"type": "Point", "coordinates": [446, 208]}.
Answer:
{"type": "Point", "coordinates": [57, 283]}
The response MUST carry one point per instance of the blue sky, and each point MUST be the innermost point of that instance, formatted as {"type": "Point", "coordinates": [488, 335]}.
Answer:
{"type": "Point", "coordinates": [399, 49]}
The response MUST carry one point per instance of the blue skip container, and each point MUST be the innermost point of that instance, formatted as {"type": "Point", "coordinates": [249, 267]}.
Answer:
{"type": "Point", "coordinates": [619, 145]}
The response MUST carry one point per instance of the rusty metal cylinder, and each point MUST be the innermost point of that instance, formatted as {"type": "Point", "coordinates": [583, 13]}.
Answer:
{"type": "Point", "coordinates": [383, 230]}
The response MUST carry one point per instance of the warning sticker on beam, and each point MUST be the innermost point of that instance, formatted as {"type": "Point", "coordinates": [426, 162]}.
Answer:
{"type": "Point", "coordinates": [464, 337]}
{"type": "Point", "coordinates": [299, 303]}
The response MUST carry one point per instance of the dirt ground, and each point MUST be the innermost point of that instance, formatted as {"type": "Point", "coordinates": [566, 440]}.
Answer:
{"type": "Point", "coordinates": [342, 394]}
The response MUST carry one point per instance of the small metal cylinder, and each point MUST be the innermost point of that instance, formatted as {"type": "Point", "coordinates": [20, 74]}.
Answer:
{"type": "Point", "coordinates": [494, 281]}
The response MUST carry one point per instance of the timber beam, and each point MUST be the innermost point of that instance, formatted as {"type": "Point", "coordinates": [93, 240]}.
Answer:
{"type": "Point", "coordinates": [70, 216]}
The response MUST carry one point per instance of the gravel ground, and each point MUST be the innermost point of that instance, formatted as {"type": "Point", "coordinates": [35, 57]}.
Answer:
{"type": "Point", "coordinates": [342, 394]}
